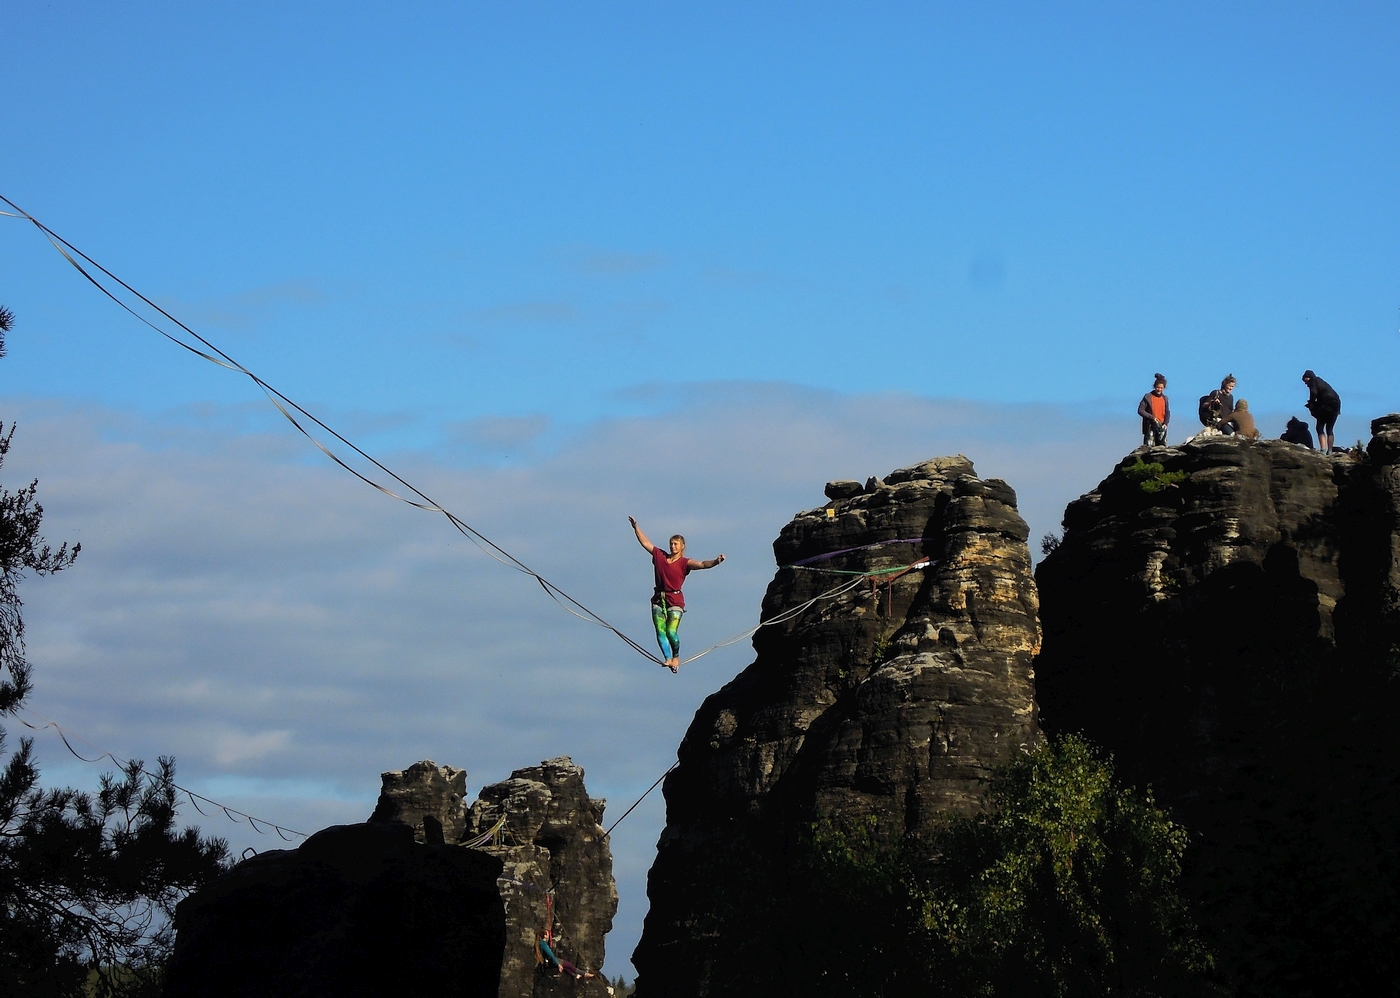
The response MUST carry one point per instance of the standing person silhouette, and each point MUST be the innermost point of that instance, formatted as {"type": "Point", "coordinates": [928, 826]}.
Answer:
{"type": "Point", "coordinates": [1156, 413]}
{"type": "Point", "coordinates": [1325, 405]}
{"type": "Point", "coordinates": [667, 602]}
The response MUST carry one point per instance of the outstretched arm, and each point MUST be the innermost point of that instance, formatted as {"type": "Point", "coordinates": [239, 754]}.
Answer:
{"type": "Point", "coordinates": [693, 564]}
{"type": "Point", "coordinates": [641, 537]}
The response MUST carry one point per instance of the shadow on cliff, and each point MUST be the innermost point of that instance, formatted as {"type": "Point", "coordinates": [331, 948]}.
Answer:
{"type": "Point", "coordinates": [1231, 642]}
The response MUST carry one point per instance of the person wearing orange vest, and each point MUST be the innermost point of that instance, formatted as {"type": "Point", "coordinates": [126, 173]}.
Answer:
{"type": "Point", "coordinates": [1156, 413]}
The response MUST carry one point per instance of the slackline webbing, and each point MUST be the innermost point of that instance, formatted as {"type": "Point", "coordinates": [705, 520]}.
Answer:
{"type": "Point", "coordinates": [232, 813]}
{"type": "Point", "coordinates": [296, 415]}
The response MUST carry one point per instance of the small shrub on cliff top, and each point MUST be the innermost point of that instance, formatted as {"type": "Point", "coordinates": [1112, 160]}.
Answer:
{"type": "Point", "coordinates": [1152, 477]}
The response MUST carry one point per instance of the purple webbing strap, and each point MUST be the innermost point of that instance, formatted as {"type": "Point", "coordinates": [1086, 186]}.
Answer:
{"type": "Point", "coordinates": [833, 554]}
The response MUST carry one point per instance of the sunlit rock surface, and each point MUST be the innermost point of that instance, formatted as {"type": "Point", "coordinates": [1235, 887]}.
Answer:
{"type": "Point", "coordinates": [557, 864]}
{"type": "Point", "coordinates": [888, 702]}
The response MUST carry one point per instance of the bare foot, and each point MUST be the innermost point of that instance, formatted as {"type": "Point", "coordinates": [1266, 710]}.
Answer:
{"type": "Point", "coordinates": [674, 664]}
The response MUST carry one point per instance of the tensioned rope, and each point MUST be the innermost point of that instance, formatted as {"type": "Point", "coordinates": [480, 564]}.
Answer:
{"type": "Point", "coordinates": [287, 407]}
{"type": "Point", "coordinates": [828, 555]}
{"type": "Point", "coordinates": [495, 830]}
{"type": "Point", "coordinates": [232, 813]}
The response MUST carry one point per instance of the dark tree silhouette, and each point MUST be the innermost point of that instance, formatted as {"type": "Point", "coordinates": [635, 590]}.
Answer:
{"type": "Point", "coordinates": [88, 883]}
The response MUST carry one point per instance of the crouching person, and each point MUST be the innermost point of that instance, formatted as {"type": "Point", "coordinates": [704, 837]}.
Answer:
{"type": "Point", "coordinates": [1240, 421]}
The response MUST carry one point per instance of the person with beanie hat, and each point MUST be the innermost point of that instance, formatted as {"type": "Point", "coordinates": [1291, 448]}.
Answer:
{"type": "Point", "coordinates": [1325, 405]}
{"type": "Point", "coordinates": [1241, 422]}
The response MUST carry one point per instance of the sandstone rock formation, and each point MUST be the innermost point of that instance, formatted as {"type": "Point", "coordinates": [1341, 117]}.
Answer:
{"type": "Point", "coordinates": [552, 838]}
{"type": "Point", "coordinates": [1232, 638]}
{"type": "Point", "coordinates": [429, 798]}
{"type": "Point", "coordinates": [557, 863]}
{"type": "Point", "coordinates": [887, 703]}
{"type": "Point", "coordinates": [356, 910]}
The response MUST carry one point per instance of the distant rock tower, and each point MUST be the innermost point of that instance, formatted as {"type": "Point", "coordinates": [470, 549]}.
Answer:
{"type": "Point", "coordinates": [545, 829]}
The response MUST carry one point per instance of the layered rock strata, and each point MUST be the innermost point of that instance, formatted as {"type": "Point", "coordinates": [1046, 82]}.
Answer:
{"type": "Point", "coordinates": [557, 867]}
{"type": "Point", "coordinates": [355, 910]}
{"type": "Point", "coordinates": [429, 798]}
{"type": "Point", "coordinates": [1226, 626]}
{"type": "Point", "coordinates": [884, 705]}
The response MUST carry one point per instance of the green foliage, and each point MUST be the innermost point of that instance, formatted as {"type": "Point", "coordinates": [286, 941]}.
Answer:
{"type": "Point", "coordinates": [88, 883]}
{"type": "Point", "coordinates": [1064, 886]}
{"type": "Point", "coordinates": [1151, 476]}
{"type": "Point", "coordinates": [1067, 881]}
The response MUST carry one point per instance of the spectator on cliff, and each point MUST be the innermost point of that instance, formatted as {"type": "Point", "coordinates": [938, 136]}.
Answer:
{"type": "Point", "coordinates": [1297, 432]}
{"type": "Point", "coordinates": [1325, 405]}
{"type": "Point", "coordinates": [667, 602]}
{"type": "Point", "coordinates": [1240, 421]}
{"type": "Point", "coordinates": [1215, 407]}
{"type": "Point", "coordinates": [1156, 413]}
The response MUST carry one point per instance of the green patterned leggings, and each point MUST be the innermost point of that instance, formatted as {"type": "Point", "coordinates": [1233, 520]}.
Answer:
{"type": "Point", "coordinates": [667, 620]}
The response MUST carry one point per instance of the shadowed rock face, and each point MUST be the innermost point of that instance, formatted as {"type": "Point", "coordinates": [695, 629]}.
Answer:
{"type": "Point", "coordinates": [889, 704]}
{"type": "Point", "coordinates": [552, 836]}
{"type": "Point", "coordinates": [429, 798]}
{"type": "Point", "coordinates": [1232, 640]}
{"type": "Point", "coordinates": [556, 860]}
{"type": "Point", "coordinates": [356, 910]}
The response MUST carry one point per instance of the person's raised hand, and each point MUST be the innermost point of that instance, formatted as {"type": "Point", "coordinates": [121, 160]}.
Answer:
{"type": "Point", "coordinates": [632, 520]}
{"type": "Point", "coordinates": [719, 559]}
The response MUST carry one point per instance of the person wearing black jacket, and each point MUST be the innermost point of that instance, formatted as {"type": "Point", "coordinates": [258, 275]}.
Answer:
{"type": "Point", "coordinates": [1156, 413]}
{"type": "Point", "coordinates": [1325, 405]}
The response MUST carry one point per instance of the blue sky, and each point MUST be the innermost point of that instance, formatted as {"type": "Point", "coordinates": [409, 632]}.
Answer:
{"type": "Point", "coordinates": [574, 261]}
{"type": "Point", "coordinates": [530, 209]}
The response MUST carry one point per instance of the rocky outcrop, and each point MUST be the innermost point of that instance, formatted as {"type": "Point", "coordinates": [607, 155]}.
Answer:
{"type": "Point", "coordinates": [355, 910]}
{"type": "Point", "coordinates": [557, 866]}
{"type": "Point", "coordinates": [1226, 626]}
{"type": "Point", "coordinates": [429, 798]}
{"type": "Point", "coordinates": [546, 831]}
{"type": "Point", "coordinates": [885, 702]}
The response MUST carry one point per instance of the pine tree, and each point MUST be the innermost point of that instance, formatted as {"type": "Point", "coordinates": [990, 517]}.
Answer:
{"type": "Point", "coordinates": [88, 883]}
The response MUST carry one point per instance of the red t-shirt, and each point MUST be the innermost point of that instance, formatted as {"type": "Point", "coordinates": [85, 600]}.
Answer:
{"type": "Point", "coordinates": [670, 576]}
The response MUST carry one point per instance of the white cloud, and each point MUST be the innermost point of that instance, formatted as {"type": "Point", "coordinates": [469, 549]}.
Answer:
{"type": "Point", "coordinates": [232, 747]}
{"type": "Point", "coordinates": [288, 633]}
